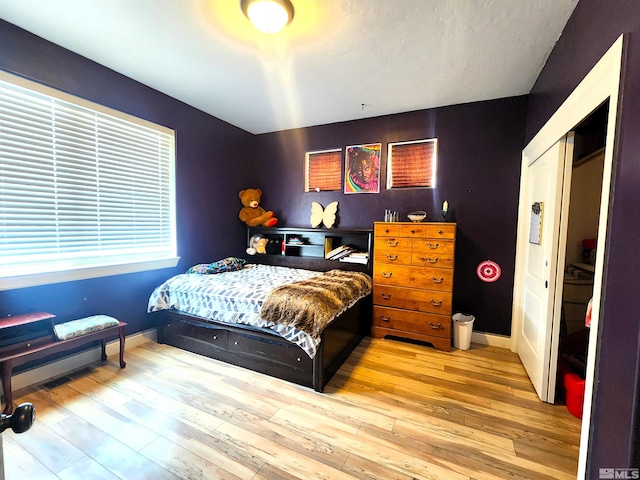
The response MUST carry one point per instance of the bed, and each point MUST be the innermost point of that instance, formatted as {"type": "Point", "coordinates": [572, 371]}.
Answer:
{"type": "Point", "coordinates": [234, 317]}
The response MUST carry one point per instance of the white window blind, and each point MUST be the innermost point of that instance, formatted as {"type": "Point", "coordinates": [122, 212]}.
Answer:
{"type": "Point", "coordinates": [81, 185]}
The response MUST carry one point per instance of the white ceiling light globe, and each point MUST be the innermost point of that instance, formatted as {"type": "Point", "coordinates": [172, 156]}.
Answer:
{"type": "Point", "coordinates": [268, 16]}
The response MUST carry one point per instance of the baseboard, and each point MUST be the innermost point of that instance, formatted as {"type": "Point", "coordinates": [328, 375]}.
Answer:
{"type": "Point", "coordinates": [491, 339]}
{"type": "Point", "coordinates": [72, 362]}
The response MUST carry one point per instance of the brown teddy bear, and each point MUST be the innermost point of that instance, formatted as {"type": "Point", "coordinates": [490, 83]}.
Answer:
{"type": "Point", "coordinates": [252, 213]}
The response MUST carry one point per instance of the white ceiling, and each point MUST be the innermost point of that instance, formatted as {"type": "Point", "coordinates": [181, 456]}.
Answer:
{"type": "Point", "coordinates": [338, 60]}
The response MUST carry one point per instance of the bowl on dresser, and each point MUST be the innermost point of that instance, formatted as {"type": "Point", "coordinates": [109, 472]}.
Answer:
{"type": "Point", "coordinates": [417, 216]}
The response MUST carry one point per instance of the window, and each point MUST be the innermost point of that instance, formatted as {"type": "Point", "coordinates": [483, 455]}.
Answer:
{"type": "Point", "coordinates": [412, 164]}
{"type": "Point", "coordinates": [83, 188]}
{"type": "Point", "coordinates": [323, 170]}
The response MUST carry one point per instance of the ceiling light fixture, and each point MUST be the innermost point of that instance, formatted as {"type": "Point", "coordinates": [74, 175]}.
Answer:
{"type": "Point", "coordinates": [268, 16]}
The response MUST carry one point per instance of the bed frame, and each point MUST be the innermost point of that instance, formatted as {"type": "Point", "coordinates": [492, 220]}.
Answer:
{"type": "Point", "coordinates": [265, 352]}
{"type": "Point", "coordinates": [261, 350]}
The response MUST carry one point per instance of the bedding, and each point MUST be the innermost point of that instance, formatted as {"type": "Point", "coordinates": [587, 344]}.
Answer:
{"type": "Point", "coordinates": [228, 264]}
{"type": "Point", "coordinates": [237, 297]}
{"type": "Point", "coordinates": [311, 304]}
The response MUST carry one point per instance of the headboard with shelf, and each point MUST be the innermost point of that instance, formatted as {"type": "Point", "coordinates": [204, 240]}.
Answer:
{"type": "Point", "coordinates": [307, 247]}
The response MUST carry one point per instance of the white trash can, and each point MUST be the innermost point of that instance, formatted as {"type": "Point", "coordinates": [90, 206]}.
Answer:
{"type": "Point", "coordinates": [462, 329]}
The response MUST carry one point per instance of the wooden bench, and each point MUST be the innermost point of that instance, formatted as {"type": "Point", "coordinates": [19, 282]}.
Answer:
{"type": "Point", "coordinates": [22, 351]}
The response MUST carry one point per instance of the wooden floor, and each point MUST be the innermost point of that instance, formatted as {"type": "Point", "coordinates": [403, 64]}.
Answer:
{"type": "Point", "coordinates": [393, 411]}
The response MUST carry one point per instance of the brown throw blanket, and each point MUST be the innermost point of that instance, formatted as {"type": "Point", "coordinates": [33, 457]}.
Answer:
{"type": "Point", "coordinates": [309, 305]}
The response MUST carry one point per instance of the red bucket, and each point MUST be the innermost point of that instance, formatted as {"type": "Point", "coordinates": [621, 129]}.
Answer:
{"type": "Point", "coordinates": [574, 386]}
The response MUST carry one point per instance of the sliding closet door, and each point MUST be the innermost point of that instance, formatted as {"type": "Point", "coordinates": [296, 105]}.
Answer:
{"type": "Point", "coordinates": [541, 204]}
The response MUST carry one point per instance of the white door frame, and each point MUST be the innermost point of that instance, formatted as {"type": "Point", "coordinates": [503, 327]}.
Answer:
{"type": "Point", "coordinates": [600, 84]}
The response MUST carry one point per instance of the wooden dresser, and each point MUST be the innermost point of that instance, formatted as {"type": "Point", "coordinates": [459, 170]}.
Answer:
{"type": "Point", "coordinates": [413, 281]}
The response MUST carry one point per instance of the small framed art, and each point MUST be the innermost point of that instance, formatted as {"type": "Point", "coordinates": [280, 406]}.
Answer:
{"type": "Point", "coordinates": [362, 168]}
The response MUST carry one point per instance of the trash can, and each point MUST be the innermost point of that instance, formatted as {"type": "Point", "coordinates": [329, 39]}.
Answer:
{"type": "Point", "coordinates": [462, 329]}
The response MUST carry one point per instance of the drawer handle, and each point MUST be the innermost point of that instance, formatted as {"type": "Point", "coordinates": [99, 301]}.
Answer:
{"type": "Point", "coordinates": [435, 327]}
{"type": "Point", "coordinates": [413, 231]}
{"type": "Point", "coordinates": [435, 280]}
{"type": "Point", "coordinates": [386, 296]}
{"type": "Point", "coordinates": [235, 343]}
{"type": "Point", "coordinates": [392, 244]}
{"type": "Point", "coordinates": [385, 319]}
{"type": "Point", "coordinates": [430, 260]}
{"type": "Point", "coordinates": [298, 359]}
{"type": "Point", "coordinates": [389, 257]}
{"type": "Point", "coordinates": [437, 304]}
{"type": "Point", "coordinates": [386, 230]}
{"type": "Point", "coordinates": [440, 232]}
{"type": "Point", "coordinates": [387, 275]}
{"type": "Point", "coordinates": [215, 337]}
{"type": "Point", "coordinates": [431, 246]}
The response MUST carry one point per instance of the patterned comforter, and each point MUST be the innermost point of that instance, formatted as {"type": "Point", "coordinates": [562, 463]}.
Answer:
{"type": "Point", "coordinates": [233, 297]}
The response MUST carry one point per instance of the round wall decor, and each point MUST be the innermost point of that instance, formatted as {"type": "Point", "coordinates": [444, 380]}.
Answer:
{"type": "Point", "coordinates": [489, 271]}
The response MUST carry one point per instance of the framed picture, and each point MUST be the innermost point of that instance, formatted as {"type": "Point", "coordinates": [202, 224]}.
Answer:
{"type": "Point", "coordinates": [362, 168]}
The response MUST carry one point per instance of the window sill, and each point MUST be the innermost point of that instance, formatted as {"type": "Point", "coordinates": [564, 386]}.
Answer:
{"type": "Point", "coordinates": [22, 281]}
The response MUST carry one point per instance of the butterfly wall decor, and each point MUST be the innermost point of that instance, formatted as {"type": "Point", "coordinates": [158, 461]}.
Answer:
{"type": "Point", "coordinates": [326, 216]}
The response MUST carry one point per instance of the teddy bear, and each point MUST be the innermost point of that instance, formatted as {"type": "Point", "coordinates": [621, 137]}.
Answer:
{"type": "Point", "coordinates": [253, 244]}
{"type": "Point", "coordinates": [257, 244]}
{"type": "Point", "coordinates": [252, 213]}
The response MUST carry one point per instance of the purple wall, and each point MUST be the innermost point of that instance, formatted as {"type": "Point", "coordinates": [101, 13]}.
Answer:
{"type": "Point", "coordinates": [209, 152]}
{"type": "Point", "coordinates": [478, 173]}
{"type": "Point", "coordinates": [591, 30]}
{"type": "Point", "coordinates": [593, 27]}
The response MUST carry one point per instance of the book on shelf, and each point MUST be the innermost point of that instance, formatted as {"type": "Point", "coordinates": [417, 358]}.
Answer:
{"type": "Point", "coordinates": [328, 246]}
{"type": "Point", "coordinates": [340, 255]}
{"type": "Point", "coordinates": [338, 252]}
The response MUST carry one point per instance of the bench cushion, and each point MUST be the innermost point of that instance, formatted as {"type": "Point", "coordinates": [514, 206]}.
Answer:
{"type": "Point", "coordinates": [83, 326]}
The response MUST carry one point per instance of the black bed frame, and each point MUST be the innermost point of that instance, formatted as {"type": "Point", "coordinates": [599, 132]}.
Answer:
{"type": "Point", "coordinates": [263, 351]}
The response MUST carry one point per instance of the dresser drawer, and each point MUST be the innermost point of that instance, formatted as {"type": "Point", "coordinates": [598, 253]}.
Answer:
{"type": "Point", "coordinates": [412, 299]}
{"type": "Point", "coordinates": [430, 259]}
{"type": "Point", "coordinates": [408, 276]}
{"type": "Point", "coordinates": [440, 230]}
{"type": "Point", "coordinates": [383, 229]}
{"type": "Point", "coordinates": [433, 230]}
{"type": "Point", "coordinates": [405, 320]}
{"type": "Point", "coordinates": [399, 257]}
{"type": "Point", "coordinates": [393, 244]}
{"type": "Point", "coordinates": [429, 246]}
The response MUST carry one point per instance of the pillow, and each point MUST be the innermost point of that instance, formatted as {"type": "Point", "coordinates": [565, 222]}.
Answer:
{"type": "Point", "coordinates": [228, 264]}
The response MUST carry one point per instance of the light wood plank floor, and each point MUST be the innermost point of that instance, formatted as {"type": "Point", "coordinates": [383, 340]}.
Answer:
{"type": "Point", "coordinates": [394, 410]}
